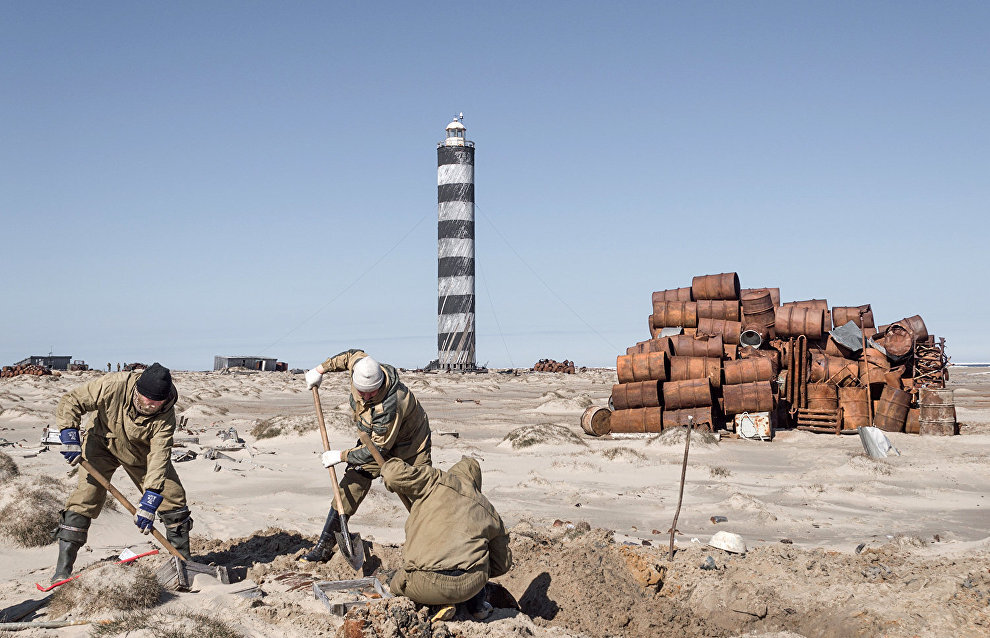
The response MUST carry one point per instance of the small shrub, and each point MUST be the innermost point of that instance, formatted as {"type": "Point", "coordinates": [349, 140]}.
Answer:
{"type": "Point", "coordinates": [541, 434]}
{"type": "Point", "coordinates": [718, 471]}
{"type": "Point", "coordinates": [8, 468]}
{"type": "Point", "coordinates": [623, 453]}
{"type": "Point", "coordinates": [29, 509]}
{"type": "Point", "coordinates": [172, 625]}
{"type": "Point", "coordinates": [108, 588]}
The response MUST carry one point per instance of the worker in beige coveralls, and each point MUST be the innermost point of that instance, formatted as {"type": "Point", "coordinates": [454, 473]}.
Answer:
{"type": "Point", "coordinates": [455, 540]}
{"type": "Point", "coordinates": [133, 426]}
{"type": "Point", "coordinates": [385, 409]}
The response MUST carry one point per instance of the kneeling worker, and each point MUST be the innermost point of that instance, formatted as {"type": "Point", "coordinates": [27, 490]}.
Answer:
{"type": "Point", "coordinates": [455, 540]}
{"type": "Point", "coordinates": [385, 409]}
{"type": "Point", "coordinates": [133, 426]}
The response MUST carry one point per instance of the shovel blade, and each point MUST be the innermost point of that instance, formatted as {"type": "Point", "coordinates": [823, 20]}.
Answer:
{"type": "Point", "coordinates": [352, 548]}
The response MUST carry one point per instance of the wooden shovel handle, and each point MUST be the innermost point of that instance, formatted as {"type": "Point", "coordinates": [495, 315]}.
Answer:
{"type": "Point", "coordinates": [368, 443]}
{"type": "Point", "coordinates": [127, 505]}
{"type": "Point", "coordinates": [326, 448]}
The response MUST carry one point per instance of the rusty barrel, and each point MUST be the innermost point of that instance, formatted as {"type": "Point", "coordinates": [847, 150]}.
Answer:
{"type": "Point", "coordinates": [730, 351]}
{"type": "Point", "coordinates": [674, 313]}
{"type": "Point", "coordinates": [683, 368]}
{"type": "Point", "coordinates": [648, 366]}
{"type": "Point", "coordinates": [639, 394]}
{"type": "Point", "coordinates": [938, 412]}
{"type": "Point", "coordinates": [673, 294]}
{"type": "Point", "coordinates": [718, 309]}
{"type": "Point", "coordinates": [688, 346]}
{"type": "Point", "coordinates": [596, 420]}
{"type": "Point", "coordinates": [651, 345]}
{"type": "Point", "coordinates": [774, 293]}
{"type": "Point", "coordinates": [692, 393]}
{"type": "Point", "coordinates": [729, 330]}
{"type": "Point", "coordinates": [721, 286]}
{"type": "Point", "coordinates": [637, 420]}
{"type": "Point", "coordinates": [748, 397]}
{"type": "Point", "coordinates": [913, 424]}
{"type": "Point", "coordinates": [855, 407]}
{"type": "Point", "coordinates": [757, 308]}
{"type": "Point", "coordinates": [873, 367]}
{"type": "Point", "coordinates": [748, 370]}
{"type": "Point", "coordinates": [793, 320]}
{"type": "Point", "coordinates": [916, 325]}
{"type": "Point", "coordinates": [750, 338]}
{"type": "Point", "coordinates": [822, 396]}
{"type": "Point", "coordinates": [892, 410]}
{"type": "Point", "coordinates": [898, 341]}
{"type": "Point", "coordinates": [824, 367]}
{"type": "Point", "coordinates": [702, 416]}
{"type": "Point", "coordinates": [835, 349]}
{"type": "Point", "coordinates": [841, 315]}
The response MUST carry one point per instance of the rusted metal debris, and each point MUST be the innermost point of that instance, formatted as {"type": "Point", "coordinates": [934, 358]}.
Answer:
{"type": "Point", "coordinates": [16, 371]}
{"type": "Point", "coordinates": [549, 365]}
{"type": "Point", "coordinates": [865, 376]}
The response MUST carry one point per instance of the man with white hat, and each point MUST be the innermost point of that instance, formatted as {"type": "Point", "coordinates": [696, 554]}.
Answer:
{"type": "Point", "coordinates": [386, 410]}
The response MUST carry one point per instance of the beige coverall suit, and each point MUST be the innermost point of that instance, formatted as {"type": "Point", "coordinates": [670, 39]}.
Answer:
{"type": "Point", "coordinates": [455, 540]}
{"type": "Point", "coordinates": [120, 436]}
{"type": "Point", "coordinates": [395, 421]}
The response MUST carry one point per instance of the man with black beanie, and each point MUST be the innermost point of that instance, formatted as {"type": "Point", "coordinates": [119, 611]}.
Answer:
{"type": "Point", "coordinates": [132, 426]}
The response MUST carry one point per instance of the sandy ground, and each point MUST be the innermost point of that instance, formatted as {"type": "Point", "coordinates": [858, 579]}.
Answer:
{"type": "Point", "coordinates": [804, 504]}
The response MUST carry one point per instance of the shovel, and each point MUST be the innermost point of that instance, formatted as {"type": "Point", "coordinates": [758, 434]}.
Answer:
{"type": "Point", "coordinates": [350, 546]}
{"type": "Point", "coordinates": [181, 565]}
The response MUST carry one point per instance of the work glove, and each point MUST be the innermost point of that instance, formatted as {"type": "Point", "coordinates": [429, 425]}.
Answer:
{"type": "Point", "coordinates": [145, 515]}
{"type": "Point", "coordinates": [332, 457]}
{"type": "Point", "coordinates": [313, 379]}
{"type": "Point", "coordinates": [71, 449]}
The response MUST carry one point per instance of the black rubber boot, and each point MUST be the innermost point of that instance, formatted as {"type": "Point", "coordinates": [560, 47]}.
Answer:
{"type": "Point", "coordinates": [323, 550]}
{"type": "Point", "coordinates": [478, 605]}
{"type": "Point", "coordinates": [178, 523]}
{"type": "Point", "coordinates": [71, 533]}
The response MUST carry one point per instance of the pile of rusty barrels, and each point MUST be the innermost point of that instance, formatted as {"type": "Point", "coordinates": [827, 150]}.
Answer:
{"type": "Point", "coordinates": [717, 351]}
{"type": "Point", "coordinates": [549, 365]}
{"type": "Point", "coordinates": [16, 371]}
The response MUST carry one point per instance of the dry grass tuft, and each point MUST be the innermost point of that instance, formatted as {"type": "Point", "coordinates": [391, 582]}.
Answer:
{"type": "Point", "coordinates": [108, 588]}
{"type": "Point", "coordinates": [623, 454]}
{"type": "Point", "coordinates": [676, 435]}
{"type": "Point", "coordinates": [29, 508]}
{"type": "Point", "coordinates": [717, 471]}
{"type": "Point", "coordinates": [8, 468]}
{"type": "Point", "coordinates": [542, 434]}
{"type": "Point", "coordinates": [171, 625]}
{"type": "Point", "coordinates": [298, 425]}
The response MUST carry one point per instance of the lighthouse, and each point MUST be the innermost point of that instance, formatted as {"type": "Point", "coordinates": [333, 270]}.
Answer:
{"type": "Point", "coordinates": [455, 250]}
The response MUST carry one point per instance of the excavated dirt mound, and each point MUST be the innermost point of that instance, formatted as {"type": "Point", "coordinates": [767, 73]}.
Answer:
{"type": "Point", "coordinates": [577, 581]}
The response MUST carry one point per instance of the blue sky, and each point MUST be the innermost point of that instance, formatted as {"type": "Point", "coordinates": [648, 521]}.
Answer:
{"type": "Point", "coordinates": [179, 180]}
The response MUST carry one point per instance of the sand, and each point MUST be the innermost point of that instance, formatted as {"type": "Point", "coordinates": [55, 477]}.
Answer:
{"type": "Point", "coordinates": [803, 503]}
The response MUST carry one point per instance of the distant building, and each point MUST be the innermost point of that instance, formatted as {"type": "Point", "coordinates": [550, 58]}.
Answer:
{"type": "Point", "coordinates": [48, 361]}
{"type": "Point", "coordinates": [264, 364]}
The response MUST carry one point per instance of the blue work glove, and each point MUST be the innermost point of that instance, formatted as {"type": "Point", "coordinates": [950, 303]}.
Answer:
{"type": "Point", "coordinates": [71, 449]}
{"type": "Point", "coordinates": [145, 515]}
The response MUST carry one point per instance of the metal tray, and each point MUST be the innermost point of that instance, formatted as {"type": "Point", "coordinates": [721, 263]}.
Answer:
{"type": "Point", "coordinates": [348, 593]}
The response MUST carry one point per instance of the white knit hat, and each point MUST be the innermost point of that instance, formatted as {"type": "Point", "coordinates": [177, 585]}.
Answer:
{"type": "Point", "coordinates": [367, 375]}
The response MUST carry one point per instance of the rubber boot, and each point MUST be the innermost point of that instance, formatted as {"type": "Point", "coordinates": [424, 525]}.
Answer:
{"type": "Point", "coordinates": [323, 550]}
{"type": "Point", "coordinates": [72, 531]}
{"type": "Point", "coordinates": [178, 523]}
{"type": "Point", "coordinates": [478, 605]}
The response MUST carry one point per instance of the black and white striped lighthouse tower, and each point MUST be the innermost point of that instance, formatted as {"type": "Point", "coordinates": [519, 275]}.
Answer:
{"type": "Point", "coordinates": [455, 250]}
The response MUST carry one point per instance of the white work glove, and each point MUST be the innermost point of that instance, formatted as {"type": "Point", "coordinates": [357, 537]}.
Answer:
{"type": "Point", "coordinates": [332, 457]}
{"type": "Point", "coordinates": [313, 379]}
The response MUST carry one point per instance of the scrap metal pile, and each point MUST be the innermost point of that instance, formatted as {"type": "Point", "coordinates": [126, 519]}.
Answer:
{"type": "Point", "coordinates": [16, 371]}
{"type": "Point", "coordinates": [549, 365]}
{"type": "Point", "coordinates": [722, 354]}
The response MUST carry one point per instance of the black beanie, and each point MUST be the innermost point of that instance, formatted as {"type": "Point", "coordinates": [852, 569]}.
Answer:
{"type": "Point", "coordinates": [155, 383]}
